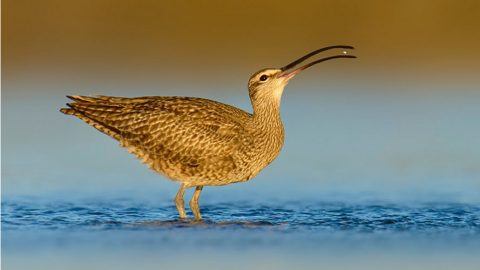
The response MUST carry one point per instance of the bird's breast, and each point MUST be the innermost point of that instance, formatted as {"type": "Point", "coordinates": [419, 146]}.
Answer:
{"type": "Point", "coordinates": [261, 149]}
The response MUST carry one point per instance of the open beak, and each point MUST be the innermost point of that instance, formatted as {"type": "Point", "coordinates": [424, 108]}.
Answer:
{"type": "Point", "coordinates": [288, 71]}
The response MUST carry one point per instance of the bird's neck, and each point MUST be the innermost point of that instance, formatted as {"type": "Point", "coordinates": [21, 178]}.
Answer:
{"type": "Point", "coordinates": [268, 129]}
{"type": "Point", "coordinates": [266, 113]}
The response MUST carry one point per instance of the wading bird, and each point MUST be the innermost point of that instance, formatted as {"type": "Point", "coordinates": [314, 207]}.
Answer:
{"type": "Point", "coordinates": [199, 142]}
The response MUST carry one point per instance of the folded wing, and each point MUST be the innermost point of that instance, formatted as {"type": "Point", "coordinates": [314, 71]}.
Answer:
{"type": "Point", "coordinates": [174, 135]}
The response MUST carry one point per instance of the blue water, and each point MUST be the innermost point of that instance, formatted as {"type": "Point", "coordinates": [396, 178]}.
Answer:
{"type": "Point", "coordinates": [385, 177]}
{"type": "Point", "coordinates": [377, 183]}
{"type": "Point", "coordinates": [461, 219]}
{"type": "Point", "coordinates": [128, 233]}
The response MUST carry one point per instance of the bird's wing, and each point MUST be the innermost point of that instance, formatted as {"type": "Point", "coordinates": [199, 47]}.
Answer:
{"type": "Point", "coordinates": [178, 129]}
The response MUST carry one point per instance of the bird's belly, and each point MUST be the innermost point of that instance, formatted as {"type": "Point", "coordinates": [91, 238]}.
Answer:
{"type": "Point", "coordinates": [214, 171]}
{"type": "Point", "coordinates": [239, 166]}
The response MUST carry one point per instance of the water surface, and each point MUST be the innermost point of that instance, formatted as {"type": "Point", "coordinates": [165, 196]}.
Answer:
{"type": "Point", "coordinates": [127, 233]}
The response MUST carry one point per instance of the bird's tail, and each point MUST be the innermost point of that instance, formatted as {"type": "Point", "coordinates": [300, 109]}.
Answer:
{"type": "Point", "coordinates": [92, 110]}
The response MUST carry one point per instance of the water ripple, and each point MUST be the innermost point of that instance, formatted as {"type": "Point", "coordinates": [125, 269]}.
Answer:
{"type": "Point", "coordinates": [294, 216]}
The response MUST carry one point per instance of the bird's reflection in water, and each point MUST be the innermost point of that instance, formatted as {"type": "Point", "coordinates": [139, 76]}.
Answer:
{"type": "Point", "coordinates": [206, 223]}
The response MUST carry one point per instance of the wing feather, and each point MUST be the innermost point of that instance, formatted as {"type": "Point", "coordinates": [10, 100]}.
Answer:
{"type": "Point", "coordinates": [178, 130]}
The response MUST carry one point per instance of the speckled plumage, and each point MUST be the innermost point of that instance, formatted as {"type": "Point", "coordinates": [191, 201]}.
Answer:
{"type": "Point", "coordinates": [195, 141]}
{"type": "Point", "coordinates": [191, 140]}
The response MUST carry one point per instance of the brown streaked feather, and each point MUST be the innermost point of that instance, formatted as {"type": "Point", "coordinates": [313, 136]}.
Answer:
{"type": "Point", "coordinates": [177, 136]}
{"type": "Point", "coordinates": [110, 131]}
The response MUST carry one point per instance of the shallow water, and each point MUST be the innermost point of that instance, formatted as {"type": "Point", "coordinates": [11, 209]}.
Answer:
{"type": "Point", "coordinates": [126, 234]}
{"type": "Point", "coordinates": [287, 217]}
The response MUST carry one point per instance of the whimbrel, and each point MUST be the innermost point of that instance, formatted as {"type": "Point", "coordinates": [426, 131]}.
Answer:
{"type": "Point", "coordinates": [199, 142]}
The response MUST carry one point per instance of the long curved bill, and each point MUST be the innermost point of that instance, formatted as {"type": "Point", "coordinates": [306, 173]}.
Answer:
{"type": "Point", "coordinates": [288, 71]}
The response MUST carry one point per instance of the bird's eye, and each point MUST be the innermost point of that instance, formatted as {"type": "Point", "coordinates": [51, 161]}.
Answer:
{"type": "Point", "coordinates": [263, 78]}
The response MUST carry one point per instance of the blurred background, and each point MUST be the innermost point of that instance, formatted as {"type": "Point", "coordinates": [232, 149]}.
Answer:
{"type": "Point", "coordinates": [402, 119]}
{"type": "Point", "coordinates": [398, 124]}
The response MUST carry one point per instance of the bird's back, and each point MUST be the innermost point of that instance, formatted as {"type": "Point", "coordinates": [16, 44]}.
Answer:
{"type": "Point", "coordinates": [186, 139]}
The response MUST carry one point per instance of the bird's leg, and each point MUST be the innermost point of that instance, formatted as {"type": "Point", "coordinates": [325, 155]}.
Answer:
{"type": "Point", "coordinates": [194, 203]}
{"type": "Point", "coordinates": [179, 201]}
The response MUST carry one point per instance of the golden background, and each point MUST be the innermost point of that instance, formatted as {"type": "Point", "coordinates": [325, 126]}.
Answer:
{"type": "Point", "coordinates": [179, 40]}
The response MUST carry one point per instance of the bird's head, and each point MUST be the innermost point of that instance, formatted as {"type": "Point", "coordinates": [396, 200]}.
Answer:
{"type": "Point", "coordinates": [270, 82]}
